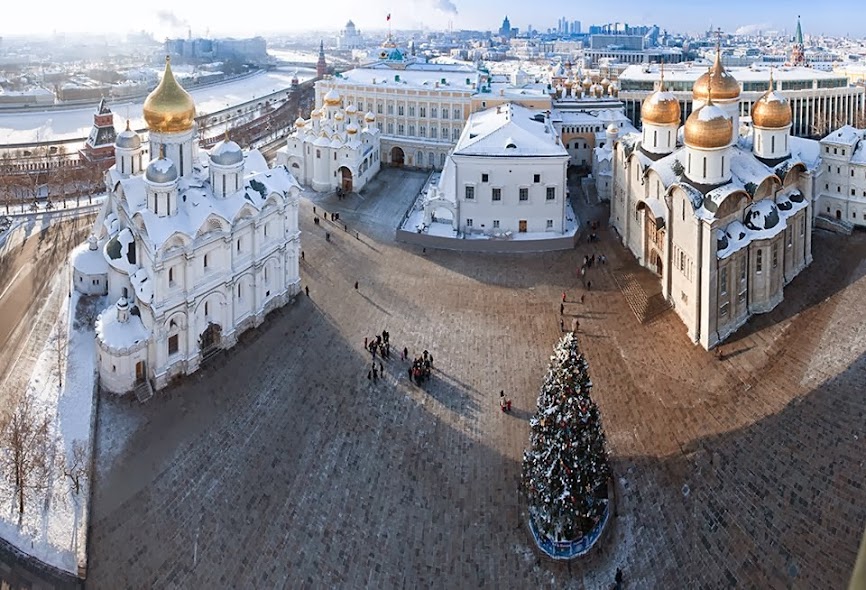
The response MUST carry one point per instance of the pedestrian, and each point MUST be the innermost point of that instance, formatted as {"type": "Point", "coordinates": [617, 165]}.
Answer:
{"type": "Point", "coordinates": [307, 290]}
{"type": "Point", "coordinates": [562, 325]}
{"type": "Point", "coordinates": [314, 209]}
{"type": "Point", "coordinates": [375, 373]}
{"type": "Point", "coordinates": [405, 353]}
{"type": "Point", "coordinates": [327, 236]}
{"type": "Point", "coordinates": [356, 285]}
{"type": "Point", "coordinates": [504, 402]}
{"type": "Point", "coordinates": [302, 254]}
{"type": "Point", "coordinates": [589, 285]}
{"type": "Point", "coordinates": [345, 227]}
{"type": "Point", "coordinates": [563, 296]}
{"type": "Point", "coordinates": [381, 368]}
{"type": "Point", "coordinates": [617, 578]}
{"type": "Point", "coordinates": [561, 308]}
{"type": "Point", "coordinates": [576, 325]}
{"type": "Point", "coordinates": [431, 360]}
{"type": "Point", "coordinates": [410, 373]}
{"type": "Point", "coordinates": [424, 250]}
{"type": "Point", "coordinates": [365, 343]}
{"type": "Point", "coordinates": [582, 295]}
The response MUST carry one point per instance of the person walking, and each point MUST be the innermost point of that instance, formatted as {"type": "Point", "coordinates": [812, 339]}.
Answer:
{"type": "Point", "coordinates": [563, 296]}
{"type": "Point", "coordinates": [589, 285]}
{"type": "Point", "coordinates": [562, 325]}
{"type": "Point", "coordinates": [561, 308]}
{"type": "Point", "coordinates": [356, 285]}
{"type": "Point", "coordinates": [302, 254]}
{"type": "Point", "coordinates": [405, 353]}
{"type": "Point", "coordinates": [307, 290]}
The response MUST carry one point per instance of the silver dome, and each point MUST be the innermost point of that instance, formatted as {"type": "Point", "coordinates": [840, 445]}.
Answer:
{"type": "Point", "coordinates": [128, 139]}
{"type": "Point", "coordinates": [226, 153]}
{"type": "Point", "coordinates": [161, 171]}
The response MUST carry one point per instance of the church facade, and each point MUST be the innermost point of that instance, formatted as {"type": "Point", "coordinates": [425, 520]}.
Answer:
{"type": "Point", "coordinates": [192, 249]}
{"type": "Point", "coordinates": [334, 148]}
{"type": "Point", "coordinates": [723, 218]}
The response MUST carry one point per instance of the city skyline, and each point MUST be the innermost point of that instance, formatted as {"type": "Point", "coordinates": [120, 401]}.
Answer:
{"type": "Point", "coordinates": [165, 19]}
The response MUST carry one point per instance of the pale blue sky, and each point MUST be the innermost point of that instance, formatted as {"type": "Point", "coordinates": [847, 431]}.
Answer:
{"type": "Point", "coordinates": [171, 17]}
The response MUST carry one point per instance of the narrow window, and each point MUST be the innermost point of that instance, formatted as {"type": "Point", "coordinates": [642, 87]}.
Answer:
{"type": "Point", "coordinates": [524, 194]}
{"type": "Point", "coordinates": [655, 138]}
{"type": "Point", "coordinates": [173, 344]}
{"type": "Point", "coordinates": [775, 254]}
{"type": "Point", "coordinates": [773, 145]}
{"type": "Point", "coordinates": [536, 178]}
{"type": "Point", "coordinates": [551, 193]}
{"type": "Point", "coordinates": [759, 261]}
{"type": "Point", "coordinates": [723, 281]}
{"type": "Point", "coordinates": [497, 194]}
{"type": "Point", "coordinates": [705, 167]}
{"type": "Point", "coordinates": [470, 193]}
{"type": "Point", "coordinates": [171, 276]}
{"type": "Point", "coordinates": [205, 261]}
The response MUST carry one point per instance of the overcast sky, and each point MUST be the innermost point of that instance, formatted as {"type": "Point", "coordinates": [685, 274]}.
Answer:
{"type": "Point", "coordinates": [172, 18]}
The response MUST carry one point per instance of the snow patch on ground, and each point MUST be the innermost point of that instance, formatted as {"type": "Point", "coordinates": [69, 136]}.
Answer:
{"type": "Point", "coordinates": [53, 527]}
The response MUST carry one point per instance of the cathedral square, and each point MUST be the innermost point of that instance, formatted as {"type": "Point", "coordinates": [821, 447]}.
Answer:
{"type": "Point", "coordinates": [721, 463]}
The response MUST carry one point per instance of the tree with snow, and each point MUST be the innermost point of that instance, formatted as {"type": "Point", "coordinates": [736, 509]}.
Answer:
{"type": "Point", "coordinates": [25, 443]}
{"type": "Point", "coordinates": [565, 468]}
{"type": "Point", "coordinates": [77, 465]}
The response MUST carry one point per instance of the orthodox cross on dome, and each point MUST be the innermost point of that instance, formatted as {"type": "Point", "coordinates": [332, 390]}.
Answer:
{"type": "Point", "coordinates": [709, 86]}
{"type": "Point", "coordinates": [662, 76]}
{"type": "Point", "coordinates": [770, 89]}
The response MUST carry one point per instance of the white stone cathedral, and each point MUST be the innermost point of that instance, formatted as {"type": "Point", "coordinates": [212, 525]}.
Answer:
{"type": "Point", "coordinates": [191, 251]}
{"type": "Point", "coordinates": [334, 148]}
{"type": "Point", "coordinates": [723, 219]}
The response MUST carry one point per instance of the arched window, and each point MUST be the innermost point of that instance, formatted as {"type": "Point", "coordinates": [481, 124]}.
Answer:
{"type": "Point", "coordinates": [773, 144]}
{"type": "Point", "coordinates": [171, 277]}
{"type": "Point", "coordinates": [205, 261]}
{"type": "Point", "coordinates": [206, 310]}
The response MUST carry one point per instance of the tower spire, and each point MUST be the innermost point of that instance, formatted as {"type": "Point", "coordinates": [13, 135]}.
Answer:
{"type": "Point", "coordinates": [662, 75]}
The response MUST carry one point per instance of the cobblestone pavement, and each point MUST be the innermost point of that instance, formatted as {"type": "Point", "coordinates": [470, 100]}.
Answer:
{"type": "Point", "coordinates": [285, 467]}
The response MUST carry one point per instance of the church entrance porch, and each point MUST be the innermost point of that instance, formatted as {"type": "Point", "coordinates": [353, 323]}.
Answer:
{"type": "Point", "coordinates": [398, 158]}
{"type": "Point", "coordinates": [140, 373]}
{"type": "Point", "coordinates": [209, 340]}
{"type": "Point", "coordinates": [345, 179]}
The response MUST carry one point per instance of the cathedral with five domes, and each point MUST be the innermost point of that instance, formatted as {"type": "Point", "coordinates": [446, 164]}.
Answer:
{"type": "Point", "coordinates": [719, 209]}
{"type": "Point", "coordinates": [191, 249]}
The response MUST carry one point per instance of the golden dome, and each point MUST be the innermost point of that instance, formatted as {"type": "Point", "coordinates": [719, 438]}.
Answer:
{"type": "Point", "coordinates": [369, 117]}
{"type": "Point", "coordinates": [660, 108]}
{"type": "Point", "coordinates": [169, 108]}
{"type": "Point", "coordinates": [725, 86]}
{"type": "Point", "coordinates": [339, 117]}
{"type": "Point", "coordinates": [772, 110]}
{"type": "Point", "coordinates": [709, 127]}
{"type": "Point", "coordinates": [315, 114]}
{"type": "Point", "coordinates": [332, 98]}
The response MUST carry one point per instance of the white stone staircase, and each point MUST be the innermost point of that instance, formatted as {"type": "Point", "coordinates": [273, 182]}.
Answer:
{"type": "Point", "coordinates": [143, 391]}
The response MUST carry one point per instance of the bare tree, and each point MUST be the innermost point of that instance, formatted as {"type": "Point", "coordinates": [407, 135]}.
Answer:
{"type": "Point", "coordinates": [60, 348]}
{"type": "Point", "coordinates": [77, 466]}
{"type": "Point", "coordinates": [25, 440]}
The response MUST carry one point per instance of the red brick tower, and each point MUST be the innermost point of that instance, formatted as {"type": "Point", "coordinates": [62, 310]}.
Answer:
{"type": "Point", "coordinates": [99, 147]}
{"type": "Point", "coordinates": [321, 65]}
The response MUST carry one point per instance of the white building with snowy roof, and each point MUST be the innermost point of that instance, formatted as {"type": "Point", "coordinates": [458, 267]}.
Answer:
{"type": "Point", "coordinates": [724, 220]}
{"type": "Point", "coordinates": [335, 147]}
{"type": "Point", "coordinates": [192, 250]}
{"type": "Point", "coordinates": [505, 179]}
{"type": "Point", "coordinates": [842, 188]}
{"type": "Point", "coordinates": [420, 108]}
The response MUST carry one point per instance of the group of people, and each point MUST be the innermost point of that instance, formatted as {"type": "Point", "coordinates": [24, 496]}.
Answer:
{"type": "Point", "coordinates": [342, 193]}
{"type": "Point", "coordinates": [380, 344]}
{"type": "Point", "coordinates": [421, 367]}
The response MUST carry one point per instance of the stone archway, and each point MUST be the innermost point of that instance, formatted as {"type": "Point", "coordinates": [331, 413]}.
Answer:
{"type": "Point", "coordinates": [398, 158]}
{"type": "Point", "coordinates": [345, 179]}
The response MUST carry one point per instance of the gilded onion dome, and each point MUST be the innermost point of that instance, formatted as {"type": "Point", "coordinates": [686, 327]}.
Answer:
{"type": "Point", "coordinates": [709, 127]}
{"type": "Point", "coordinates": [661, 107]}
{"type": "Point", "coordinates": [725, 86]}
{"type": "Point", "coordinates": [339, 117]}
{"type": "Point", "coordinates": [369, 117]}
{"type": "Point", "coordinates": [169, 108]}
{"type": "Point", "coordinates": [332, 98]}
{"type": "Point", "coordinates": [772, 110]}
{"type": "Point", "coordinates": [299, 122]}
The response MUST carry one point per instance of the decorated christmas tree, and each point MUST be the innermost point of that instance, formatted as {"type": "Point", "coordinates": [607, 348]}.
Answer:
{"type": "Point", "coordinates": [565, 468]}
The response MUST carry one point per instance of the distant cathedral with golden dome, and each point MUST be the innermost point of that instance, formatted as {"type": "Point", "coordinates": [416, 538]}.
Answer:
{"type": "Point", "coordinates": [191, 250]}
{"type": "Point", "coordinates": [719, 209]}
{"type": "Point", "coordinates": [335, 148]}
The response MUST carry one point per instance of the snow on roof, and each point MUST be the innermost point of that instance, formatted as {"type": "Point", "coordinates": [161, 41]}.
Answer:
{"type": "Point", "coordinates": [116, 335]}
{"type": "Point", "coordinates": [657, 207]}
{"type": "Point", "coordinates": [87, 261]}
{"type": "Point", "coordinates": [807, 151]}
{"type": "Point", "coordinates": [747, 168]}
{"type": "Point", "coordinates": [764, 219]}
{"type": "Point", "coordinates": [859, 155]}
{"type": "Point", "coordinates": [710, 112]}
{"type": "Point", "coordinates": [666, 168]}
{"type": "Point", "coordinates": [417, 75]}
{"type": "Point", "coordinates": [120, 253]}
{"type": "Point", "coordinates": [691, 71]}
{"type": "Point", "coordinates": [658, 96]}
{"type": "Point", "coordinates": [197, 203]}
{"type": "Point", "coordinates": [845, 135]}
{"type": "Point", "coordinates": [509, 130]}
{"type": "Point", "coordinates": [143, 285]}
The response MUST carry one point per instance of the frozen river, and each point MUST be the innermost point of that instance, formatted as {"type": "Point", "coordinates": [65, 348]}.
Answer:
{"type": "Point", "coordinates": [27, 127]}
